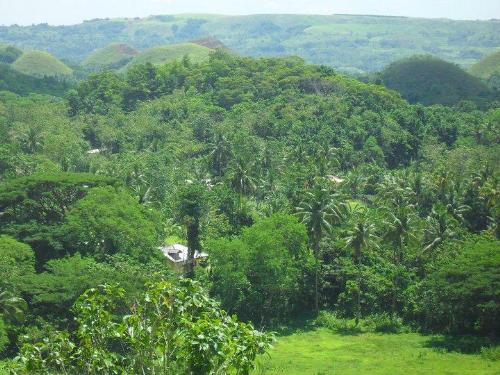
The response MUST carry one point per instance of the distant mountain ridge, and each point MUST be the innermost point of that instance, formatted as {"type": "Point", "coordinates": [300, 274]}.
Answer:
{"type": "Point", "coordinates": [349, 43]}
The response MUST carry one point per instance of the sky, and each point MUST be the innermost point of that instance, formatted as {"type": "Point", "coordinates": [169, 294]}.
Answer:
{"type": "Point", "coordinates": [64, 12]}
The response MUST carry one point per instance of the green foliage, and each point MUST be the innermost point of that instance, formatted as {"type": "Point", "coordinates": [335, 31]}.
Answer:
{"type": "Point", "coordinates": [175, 52]}
{"type": "Point", "coordinates": [260, 275]}
{"type": "Point", "coordinates": [461, 294]}
{"type": "Point", "coordinates": [170, 329]}
{"type": "Point", "coordinates": [4, 339]}
{"type": "Point", "coordinates": [22, 84]}
{"type": "Point", "coordinates": [41, 64]}
{"type": "Point", "coordinates": [9, 54]}
{"type": "Point", "coordinates": [12, 308]}
{"type": "Point", "coordinates": [383, 323]}
{"type": "Point", "coordinates": [487, 67]}
{"type": "Point", "coordinates": [428, 80]}
{"type": "Point", "coordinates": [491, 353]}
{"type": "Point", "coordinates": [34, 207]}
{"type": "Point", "coordinates": [52, 292]}
{"type": "Point", "coordinates": [107, 221]}
{"type": "Point", "coordinates": [191, 204]}
{"type": "Point", "coordinates": [17, 261]}
{"type": "Point", "coordinates": [97, 94]}
{"type": "Point", "coordinates": [227, 155]}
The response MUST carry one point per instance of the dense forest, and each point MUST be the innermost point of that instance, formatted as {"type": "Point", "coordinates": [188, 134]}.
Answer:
{"type": "Point", "coordinates": [312, 194]}
{"type": "Point", "coordinates": [354, 44]}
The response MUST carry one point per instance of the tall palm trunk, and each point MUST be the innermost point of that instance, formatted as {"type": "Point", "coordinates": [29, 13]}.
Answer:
{"type": "Point", "coordinates": [193, 237]}
{"type": "Point", "coordinates": [316, 274]}
{"type": "Point", "coordinates": [395, 280]}
{"type": "Point", "coordinates": [358, 294]}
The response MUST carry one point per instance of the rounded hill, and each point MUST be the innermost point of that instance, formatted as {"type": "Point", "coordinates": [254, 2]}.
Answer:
{"type": "Point", "coordinates": [9, 54]}
{"type": "Point", "coordinates": [164, 54]}
{"type": "Point", "coordinates": [487, 67]}
{"type": "Point", "coordinates": [113, 56]}
{"type": "Point", "coordinates": [429, 80]}
{"type": "Point", "coordinates": [41, 64]}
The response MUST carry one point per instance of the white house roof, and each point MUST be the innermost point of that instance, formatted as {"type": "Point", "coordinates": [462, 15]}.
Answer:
{"type": "Point", "coordinates": [178, 253]}
{"type": "Point", "coordinates": [335, 179]}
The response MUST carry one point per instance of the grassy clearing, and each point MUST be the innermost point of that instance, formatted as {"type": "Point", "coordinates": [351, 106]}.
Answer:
{"type": "Point", "coordinates": [324, 352]}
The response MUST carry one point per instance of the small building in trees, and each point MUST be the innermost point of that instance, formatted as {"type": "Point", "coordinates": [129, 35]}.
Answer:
{"type": "Point", "coordinates": [177, 255]}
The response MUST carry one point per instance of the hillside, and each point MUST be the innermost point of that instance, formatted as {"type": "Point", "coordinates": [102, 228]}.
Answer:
{"type": "Point", "coordinates": [487, 67]}
{"type": "Point", "coordinates": [210, 43]}
{"type": "Point", "coordinates": [349, 43]}
{"type": "Point", "coordinates": [429, 80]}
{"type": "Point", "coordinates": [168, 53]}
{"type": "Point", "coordinates": [306, 193]}
{"type": "Point", "coordinates": [113, 56]}
{"type": "Point", "coordinates": [22, 84]}
{"type": "Point", "coordinates": [9, 54]}
{"type": "Point", "coordinates": [41, 64]}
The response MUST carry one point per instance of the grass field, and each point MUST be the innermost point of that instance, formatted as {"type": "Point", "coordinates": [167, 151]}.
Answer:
{"type": "Point", "coordinates": [323, 352]}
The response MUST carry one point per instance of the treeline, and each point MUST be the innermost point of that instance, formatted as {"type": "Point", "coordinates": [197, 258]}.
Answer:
{"type": "Point", "coordinates": [22, 84]}
{"type": "Point", "coordinates": [309, 191]}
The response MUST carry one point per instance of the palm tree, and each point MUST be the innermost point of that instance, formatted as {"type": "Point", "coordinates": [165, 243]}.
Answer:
{"type": "Point", "coordinates": [220, 152]}
{"type": "Point", "coordinates": [455, 207]}
{"type": "Point", "coordinates": [191, 205]}
{"type": "Point", "coordinates": [30, 137]}
{"type": "Point", "coordinates": [241, 177]}
{"type": "Point", "coordinates": [12, 307]}
{"type": "Point", "coordinates": [399, 231]}
{"type": "Point", "coordinates": [394, 190]}
{"type": "Point", "coordinates": [490, 193]}
{"type": "Point", "coordinates": [440, 227]}
{"type": "Point", "coordinates": [319, 211]}
{"type": "Point", "coordinates": [361, 237]}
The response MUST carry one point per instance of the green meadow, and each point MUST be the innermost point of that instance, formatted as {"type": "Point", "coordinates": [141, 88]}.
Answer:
{"type": "Point", "coordinates": [323, 352]}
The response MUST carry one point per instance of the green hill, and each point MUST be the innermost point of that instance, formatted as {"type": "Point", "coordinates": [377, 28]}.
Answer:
{"type": "Point", "coordinates": [22, 84]}
{"type": "Point", "coordinates": [113, 56]}
{"type": "Point", "coordinates": [9, 54]}
{"type": "Point", "coordinates": [429, 80]}
{"type": "Point", "coordinates": [346, 42]}
{"type": "Point", "coordinates": [487, 67]}
{"type": "Point", "coordinates": [165, 54]}
{"type": "Point", "coordinates": [41, 64]}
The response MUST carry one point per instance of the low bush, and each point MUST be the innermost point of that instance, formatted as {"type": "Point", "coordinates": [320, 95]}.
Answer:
{"type": "Point", "coordinates": [491, 353]}
{"type": "Point", "coordinates": [383, 323]}
{"type": "Point", "coordinates": [331, 321]}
